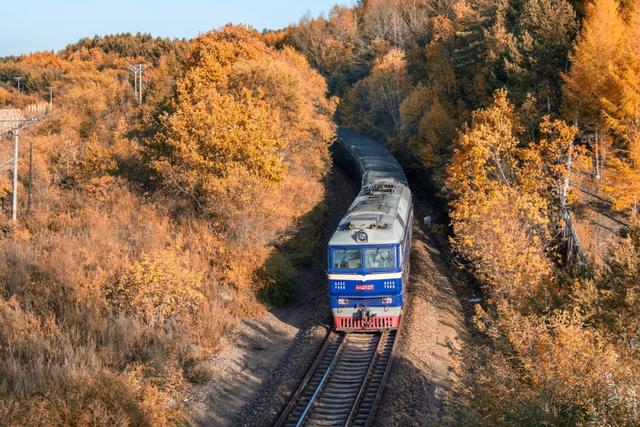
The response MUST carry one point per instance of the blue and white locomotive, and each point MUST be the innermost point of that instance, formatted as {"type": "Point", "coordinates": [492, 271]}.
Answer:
{"type": "Point", "coordinates": [368, 254]}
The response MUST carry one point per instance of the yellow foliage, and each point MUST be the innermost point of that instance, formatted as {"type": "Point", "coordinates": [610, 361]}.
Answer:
{"type": "Point", "coordinates": [217, 134]}
{"type": "Point", "coordinates": [546, 371]}
{"type": "Point", "coordinates": [506, 200]}
{"type": "Point", "coordinates": [544, 162]}
{"type": "Point", "coordinates": [373, 104]}
{"type": "Point", "coordinates": [486, 151]}
{"type": "Point", "coordinates": [285, 81]}
{"type": "Point", "coordinates": [248, 122]}
{"type": "Point", "coordinates": [603, 89]}
{"type": "Point", "coordinates": [622, 182]}
{"type": "Point", "coordinates": [156, 287]}
{"type": "Point", "coordinates": [596, 53]}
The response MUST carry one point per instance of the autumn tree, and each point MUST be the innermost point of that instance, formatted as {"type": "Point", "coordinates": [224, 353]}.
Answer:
{"type": "Point", "coordinates": [376, 99]}
{"type": "Point", "coordinates": [212, 133]}
{"type": "Point", "coordinates": [615, 307]}
{"type": "Point", "coordinates": [481, 39]}
{"type": "Point", "coordinates": [596, 53]}
{"type": "Point", "coordinates": [521, 45]}
{"type": "Point", "coordinates": [602, 90]}
{"type": "Point", "coordinates": [331, 45]}
{"type": "Point", "coordinates": [534, 361]}
{"type": "Point", "coordinates": [245, 120]}
{"type": "Point", "coordinates": [544, 32]}
{"type": "Point", "coordinates": [497, 227]}
{"type": "Point", "coordinates": [622, 116]}
{"type": "Point", "coordinates": [428, 114]}
{"type": "Point", "coordinates": [544, 370]}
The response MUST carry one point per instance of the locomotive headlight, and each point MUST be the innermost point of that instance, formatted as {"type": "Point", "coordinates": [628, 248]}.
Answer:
{"type": "Point", "coordinates": [387, 300]}
{"type": "Point", "coordinates": [343, 301]}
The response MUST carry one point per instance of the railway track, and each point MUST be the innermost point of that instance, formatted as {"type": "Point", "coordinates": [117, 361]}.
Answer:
{"type": "Point", "coordinates": [344, 384]}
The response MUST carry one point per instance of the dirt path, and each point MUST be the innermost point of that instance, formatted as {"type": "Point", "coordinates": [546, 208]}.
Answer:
{"type": "Point", "coordinates": [266, 357]}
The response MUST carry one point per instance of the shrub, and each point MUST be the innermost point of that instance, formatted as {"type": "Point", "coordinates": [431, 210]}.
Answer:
{"type": "Point", "coordinates": [155, 287]}
{"type": "Point", "coordinates": [545, 371]}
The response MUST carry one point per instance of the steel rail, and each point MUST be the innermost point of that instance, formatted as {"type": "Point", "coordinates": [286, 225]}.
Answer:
{"type": "Point", "coordinates": [385, 375]}
{"type": "Point", "coordinates": [300, 388]}
{"type": "Point", "coordinates": [323, 381]}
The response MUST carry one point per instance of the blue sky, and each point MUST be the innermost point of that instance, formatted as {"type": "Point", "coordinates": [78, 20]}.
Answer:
{"type": "Point", "coordinates": [37, 25]}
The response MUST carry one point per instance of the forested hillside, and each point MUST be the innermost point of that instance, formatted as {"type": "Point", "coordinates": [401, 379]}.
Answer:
{"type": "Point", "coordinates": [151, 229]}
{"type": "Point", "coordinates": [508, 108]}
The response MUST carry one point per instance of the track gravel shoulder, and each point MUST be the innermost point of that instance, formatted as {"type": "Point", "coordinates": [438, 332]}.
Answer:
{"type": "Point", "coordinates": [433, 326]}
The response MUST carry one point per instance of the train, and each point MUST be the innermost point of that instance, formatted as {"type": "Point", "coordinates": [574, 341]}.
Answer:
{"type": "Point", "coordinates": [368, 254]}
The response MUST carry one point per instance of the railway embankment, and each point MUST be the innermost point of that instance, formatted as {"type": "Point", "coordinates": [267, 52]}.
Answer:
{"type": "Point", "coordinates": [434, 323]}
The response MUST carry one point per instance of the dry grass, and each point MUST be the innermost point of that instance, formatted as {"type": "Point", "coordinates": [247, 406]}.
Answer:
{"type": "Point", "coordinates": [103, 301]}
{"type": "Point", "coordinates": [112, 293]}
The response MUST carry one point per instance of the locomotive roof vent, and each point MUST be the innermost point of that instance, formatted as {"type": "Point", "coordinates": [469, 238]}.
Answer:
{"type": "Point", "coordinates": [371, 222]}
{"type": "Point", "coordinates": [382, 187]}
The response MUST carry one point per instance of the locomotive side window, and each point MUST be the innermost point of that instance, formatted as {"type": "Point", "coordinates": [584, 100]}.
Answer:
{"type": "Point", "coordinates": [380, 258]}
{"type": "Point", "coordinates": [347, 259]}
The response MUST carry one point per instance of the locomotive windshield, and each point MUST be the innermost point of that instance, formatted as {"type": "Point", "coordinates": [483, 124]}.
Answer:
{"type": "Point", "coordinates": [380, 258]}
{"type": "Point", "coordinates": [347, 259]}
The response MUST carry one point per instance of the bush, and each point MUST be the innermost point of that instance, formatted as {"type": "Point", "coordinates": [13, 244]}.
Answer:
{"type": "Point", "coordinates": [545, 371]}
{"type": "Point", "coordinates": [155, 287]}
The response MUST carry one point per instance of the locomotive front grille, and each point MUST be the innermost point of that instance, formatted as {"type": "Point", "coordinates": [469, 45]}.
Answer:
{"type": "Point", "coordinates": [382, 322]}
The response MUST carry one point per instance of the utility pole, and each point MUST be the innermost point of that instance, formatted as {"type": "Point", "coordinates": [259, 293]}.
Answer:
{"type": "Point", "coordinates": [137, 70]}
{"type": "Point", "coordinates": [142, 68]}
{"type": "Point", "coordinates": [19, 124]}
{"type": "Point", "coordinates": [30, 175]}
{"type": "Point", "coordinates": [18, 79]}
{"type": "Point", "coordinates": [14, 196]}
{"type": "Point", "coordinates": [50, 97]}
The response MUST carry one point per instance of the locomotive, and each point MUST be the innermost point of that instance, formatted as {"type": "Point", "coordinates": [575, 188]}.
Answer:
{"type": "Point", "coordinates": [368, 254]}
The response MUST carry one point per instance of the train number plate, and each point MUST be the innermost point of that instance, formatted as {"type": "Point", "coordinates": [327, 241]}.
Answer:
{"type": "Point", "coordinates": [364, 287]}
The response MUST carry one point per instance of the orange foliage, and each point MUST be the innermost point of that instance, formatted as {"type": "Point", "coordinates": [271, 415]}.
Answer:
{"type": "Point", "coordinates": [603, 90]}
{"type": "Point", "coordinates": [113, 292]}
{"type": "Point", "coordinates": [245, 115]}
{"type": "Point", "coordinates": [505, 207]}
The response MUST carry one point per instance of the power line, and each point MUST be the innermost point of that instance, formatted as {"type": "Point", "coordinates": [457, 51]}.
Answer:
{"type": "Point", "coordinates": [5, 164]}
{"type": "Point", "coordinates": [50, 113]}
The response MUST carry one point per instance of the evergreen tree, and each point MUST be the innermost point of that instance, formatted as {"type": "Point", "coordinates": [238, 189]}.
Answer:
{"type": "Point", "coordinates": [545, 31]}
